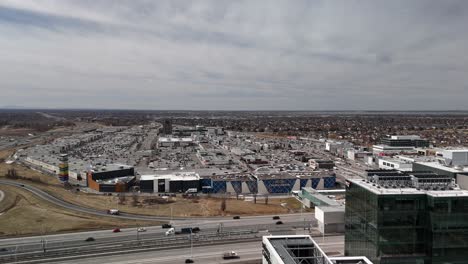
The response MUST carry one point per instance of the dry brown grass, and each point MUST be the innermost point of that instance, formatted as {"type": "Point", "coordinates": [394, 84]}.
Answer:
{"type": "Point", "coordinates": [180, 207]}
{"type": "Point", "coordinates": [25, 172]}
{"type": "Point", "coordinates": [31, 215]}
{"type": "Point", "coordinates": [5, 153]}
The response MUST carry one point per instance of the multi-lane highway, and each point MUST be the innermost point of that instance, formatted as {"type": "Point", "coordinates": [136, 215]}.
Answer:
{"type": "Point", "coordinates": [250, 223]}
{"type": "Point", "coordinates": [332, 245]}
{"type": "Point", "coordinates": [52, 199]}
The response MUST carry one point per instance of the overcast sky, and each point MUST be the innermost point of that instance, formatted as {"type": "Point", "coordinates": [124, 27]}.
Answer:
{"type": "Point", "coordinates": [245, 55]}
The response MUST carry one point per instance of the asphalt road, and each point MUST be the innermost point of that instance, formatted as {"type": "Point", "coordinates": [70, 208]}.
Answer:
{"type": "Point", "coordinates": [207, 254]}
{"type": "Point", "coordinates": [52, 199]}
{"type": "Point", "coordinates": [245, 223]}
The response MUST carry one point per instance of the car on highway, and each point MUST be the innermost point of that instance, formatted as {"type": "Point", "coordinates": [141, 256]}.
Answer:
{"type": "Point", "coordinates": [230, 255]}
{"type": "Point", "coordinates": [116, 230]}
{"type": "Point", "coordinates": [279, 222]}
{"type": "Point", "coordinates": [276, 217]}
{"type": "Point", "coordinates": [90, 239]}
{"type": "Point", "coordinates": [236, 217]}
{"type": "Point", "coordinates": [113, 212]}
{"type": "Point", "coordinates": [196, 230]}
{"type": "Point", "coordinates": [141, 229]}
{"type": "Point", "coordinates": [171, 231]}
{"type": "Point", "coordinates": [189, 261]}
{"type": "Point", "coordinates": [166, 226]}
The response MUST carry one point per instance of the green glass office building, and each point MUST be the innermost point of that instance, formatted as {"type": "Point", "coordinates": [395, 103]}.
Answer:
{"type": "Point", "coordinates": [406, 218]}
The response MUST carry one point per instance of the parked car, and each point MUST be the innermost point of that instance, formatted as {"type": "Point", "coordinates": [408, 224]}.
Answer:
{"type": "Point", "coordinates": [195, 230]}
{"type": "Point", "coordinates": [236, 217]}
{"type": "Point", "coordinates": [279, 222]}
{"type": "Point", "coordinates": [166, 226]}
{"type": "Point", "coordinates": [116, 230]}
{"type": "Point", "coordinates": [276, 217]}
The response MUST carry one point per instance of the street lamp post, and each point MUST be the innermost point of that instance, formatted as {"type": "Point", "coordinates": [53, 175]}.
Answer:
{"type": "Point", "coordinates": [138, 235]}
{"type": "Point", "coordinates": [191, 244]}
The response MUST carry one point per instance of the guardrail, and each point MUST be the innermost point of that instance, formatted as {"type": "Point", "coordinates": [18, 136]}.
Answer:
{"type": "Point", "coordinates": [122, 247]}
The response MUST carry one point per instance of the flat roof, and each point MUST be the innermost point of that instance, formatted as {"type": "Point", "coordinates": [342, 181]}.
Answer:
{"type": "Point", "coordinates": [125, 179]}
{"type": "Point", "coordinates": [171, 139]}
{"type": "Point", "coordinates": [379, 190]}
{"type": "Point", "coordinates": [383, 146]}
{"type": "Point", "coordinates": [296, 249]}
{"type": "Point", "coordinates": [456, 150]}
{"type": "Point", "coordinates": [320, 197]}
{"type": "Point", "coordinates": [183, 176]}
{"type": "Point", "coordinates": [437, 165]}
{"type": "Point", "coordinates": [330, 209]}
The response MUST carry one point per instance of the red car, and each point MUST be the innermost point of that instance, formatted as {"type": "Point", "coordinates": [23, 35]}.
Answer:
{"type": "Point", "coordinates": [116, 230]}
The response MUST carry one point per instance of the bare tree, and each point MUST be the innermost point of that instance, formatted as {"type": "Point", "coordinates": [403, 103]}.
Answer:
{"type": "Point", "coordinates": [223, 204]}
{"type": "Point", "coordinates": [255, 198]}
{"type": "Point", "coordinates": [11, 174]}
{"type": "Point", "coordinates": [135, 199]}
{"type": "Point", "coordinates": [122, 198]}
{"type": "Point", "coordinates": [266, 199]}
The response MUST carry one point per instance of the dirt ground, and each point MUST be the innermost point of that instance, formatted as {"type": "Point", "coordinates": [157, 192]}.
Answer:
{"type": "Point", "coordinates": [24, 214]}
{"type": "Point", "coordinates": [178, 207]}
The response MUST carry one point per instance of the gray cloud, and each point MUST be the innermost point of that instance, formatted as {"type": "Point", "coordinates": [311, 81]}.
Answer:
{"type": "Point", "coordinates": [318, 55]}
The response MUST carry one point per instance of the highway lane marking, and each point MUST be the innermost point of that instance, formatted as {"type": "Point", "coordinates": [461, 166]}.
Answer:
{"type": "Point", "coordinates": [184, 256]}
{"type": "Point", "coordinates": [104, 254]}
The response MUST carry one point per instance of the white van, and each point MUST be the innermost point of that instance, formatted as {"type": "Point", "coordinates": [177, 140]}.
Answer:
{"type": "Point", "coordinates": [192, 190]}
{"type": "Point", "coordinates": [170, 232]}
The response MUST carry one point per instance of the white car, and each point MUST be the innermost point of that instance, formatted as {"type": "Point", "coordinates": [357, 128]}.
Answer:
{"type": "Point", "coordinates": [170, 232]}
{"type": "Point", "coordinates": [141, 229]}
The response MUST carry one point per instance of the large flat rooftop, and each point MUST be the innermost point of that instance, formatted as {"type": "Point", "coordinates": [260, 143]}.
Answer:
{"type": "Point", "coordinates": [381, 190]}
{"type": "Point", "coordinates": [302, 249]}
{"type": "Point", "coordinates": [437, 165]}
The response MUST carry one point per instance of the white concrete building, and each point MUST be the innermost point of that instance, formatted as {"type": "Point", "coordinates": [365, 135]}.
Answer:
{"type": "Point", "coordinates": [175, 142]}
{"type": "Point", "coordinates": [395, 163]}
{"type": "Point", "coordinates": [330, 219]}
{"type": "Point", "coordinates": [295, 249]}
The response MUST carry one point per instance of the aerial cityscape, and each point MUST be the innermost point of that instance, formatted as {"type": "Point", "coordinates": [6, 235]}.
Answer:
{"type": "Point", "coordinates": [242, 132]}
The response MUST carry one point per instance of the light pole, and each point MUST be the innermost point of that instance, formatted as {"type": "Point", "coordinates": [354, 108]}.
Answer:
{"type": "Point", "coordinates": [138, 235]}
{"type": "Point", "coordinates": [302, 216]}
{"type": "Point", "coordinates": [191, 244]}
{"type": "Point", "coordinates": [323, 233]}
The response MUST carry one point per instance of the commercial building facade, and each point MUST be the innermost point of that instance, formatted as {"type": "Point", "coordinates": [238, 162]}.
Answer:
{"type": "Point", "coordinates": [405, 141]}
{"type": "Point", "coordinates": [111, 178]}
{"type": "Point", "coordinates": [406, 218]}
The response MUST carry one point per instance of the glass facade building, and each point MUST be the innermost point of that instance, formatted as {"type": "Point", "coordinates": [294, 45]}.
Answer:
{"type": "Point", "coordinates": [406, 225]}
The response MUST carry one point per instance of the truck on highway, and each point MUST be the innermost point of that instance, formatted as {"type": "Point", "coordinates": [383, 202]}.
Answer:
{"type": "Point", "coordinates": [113, 212]}
{"type": "Point", "coordinates": [187, 230]}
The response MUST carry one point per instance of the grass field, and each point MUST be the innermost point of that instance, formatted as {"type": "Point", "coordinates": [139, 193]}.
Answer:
{"type": "Point", "coordinates": [24, 214]}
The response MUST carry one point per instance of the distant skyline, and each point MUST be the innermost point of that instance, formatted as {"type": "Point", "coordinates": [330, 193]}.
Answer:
{"type": "Point", "coordinates": [234, 55]}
